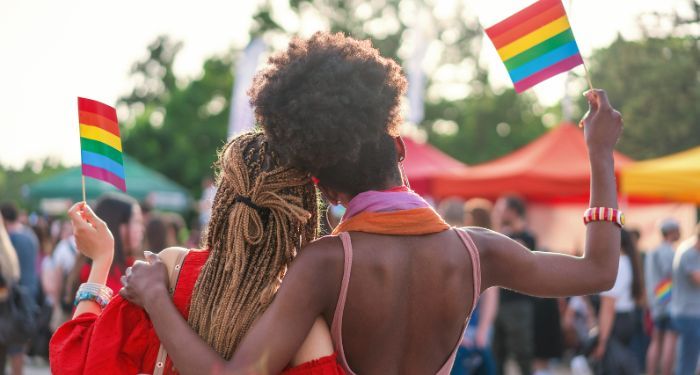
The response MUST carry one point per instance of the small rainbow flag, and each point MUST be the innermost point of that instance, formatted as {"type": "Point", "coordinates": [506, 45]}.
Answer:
{"type": "Point", "coordinates": [662, 292]}
{"type": "Point", "coordinates": [536, 43]}
{"type": "Point", "coordinates": [100, 144]}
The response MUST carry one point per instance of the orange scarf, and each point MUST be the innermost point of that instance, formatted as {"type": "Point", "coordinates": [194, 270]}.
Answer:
{"type": "Point", "coordinates": [416, 221]}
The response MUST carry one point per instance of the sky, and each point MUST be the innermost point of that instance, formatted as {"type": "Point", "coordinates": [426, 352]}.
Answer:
{"type": "Point", "coordinates": [54, 51]}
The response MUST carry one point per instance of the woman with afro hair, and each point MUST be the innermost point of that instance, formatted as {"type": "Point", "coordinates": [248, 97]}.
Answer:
{"type": "Point", "coordinates": [394, 282]}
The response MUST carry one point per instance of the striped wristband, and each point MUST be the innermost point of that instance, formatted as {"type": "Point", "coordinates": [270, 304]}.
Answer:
{"type": "Point", "coordinates": [98, 293]}
{"type": "Point", "coordinates": [604, 214]}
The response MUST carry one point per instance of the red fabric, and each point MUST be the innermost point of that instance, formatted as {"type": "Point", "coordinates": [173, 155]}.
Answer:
{"type": "Point", "coordinates": [555, 166]}
{"type": "Point", "coordinates": [322, 366]}
{"type": "Point", "coordinates": [121, 340]}
{"type": "Point", "coordinates": [424, 162]}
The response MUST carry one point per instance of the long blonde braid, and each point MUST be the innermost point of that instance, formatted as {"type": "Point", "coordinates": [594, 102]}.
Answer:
{"type": "Point", "coordinates": [262, 213]}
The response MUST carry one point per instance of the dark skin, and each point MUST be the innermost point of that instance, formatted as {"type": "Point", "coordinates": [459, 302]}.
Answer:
{"type": "Point", "coordinates": [409, 296]}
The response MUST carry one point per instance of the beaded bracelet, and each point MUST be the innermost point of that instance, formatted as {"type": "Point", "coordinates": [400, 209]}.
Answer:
{"type": "Point", "coordinates": [604, 214]}
{"type": "Point", "coordinates": [98, 293]}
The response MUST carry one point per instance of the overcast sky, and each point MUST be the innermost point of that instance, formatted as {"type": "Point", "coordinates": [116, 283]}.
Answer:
{"type": "Point", "coordinates": [54, 51]}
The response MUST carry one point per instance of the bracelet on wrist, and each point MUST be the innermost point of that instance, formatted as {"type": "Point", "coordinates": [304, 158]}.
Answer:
{"type": "Point", "coordinates": [97, 293]}
{"type": "Point", "coordinates": [604, 214]}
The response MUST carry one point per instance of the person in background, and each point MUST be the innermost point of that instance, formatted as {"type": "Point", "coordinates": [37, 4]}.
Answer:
{"type": "Point", "coordinates": [155, 236]}
{"type": "Point", "coordinates": [474, 355]}
{"type": "Point", "coordinates": [55, 272]}
{"type": "Point", "coordinates": [514, 325]}
{"type": "Point", "coordinates": [162, 231]}
{"type": "Point", "coordinates": [685, 306]}
{"type": "Point", "coordinates": [27, 248]}
{"type": "Point", "coordinates": [9, 270]}
{"type": "Point", "coordinates": [658, 268]}
{"type": "Point", "coordinates": [616, 317]}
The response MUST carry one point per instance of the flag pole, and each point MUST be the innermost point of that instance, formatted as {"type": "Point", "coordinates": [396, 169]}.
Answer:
{"type": "Point", "coordinates": [585, 68]}
{"type": "Point", "coordinates": [84, 200]}
{"type": "Point", "coordinates": [588, 75]}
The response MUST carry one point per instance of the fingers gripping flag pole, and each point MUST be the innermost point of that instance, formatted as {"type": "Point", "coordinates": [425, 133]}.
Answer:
{"type": "Point", "coordinates": [536, 43]}
{"type": "Point", "coordinates": [100, 144]}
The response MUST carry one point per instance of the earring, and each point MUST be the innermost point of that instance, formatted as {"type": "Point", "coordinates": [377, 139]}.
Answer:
{"type": "Point", "coordinates": [404, 178]}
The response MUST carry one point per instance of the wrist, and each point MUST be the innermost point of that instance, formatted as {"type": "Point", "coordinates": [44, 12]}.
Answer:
{"type": "Point", "coordinates": [156, 296]}
{"type": "Point", "coordinates": [600, 156]}
{"type": "Point", "coordinates": [99, 270]}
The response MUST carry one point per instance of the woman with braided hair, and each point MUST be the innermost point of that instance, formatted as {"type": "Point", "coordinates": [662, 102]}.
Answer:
{"type": "Point", "coordinates": [262, 214]}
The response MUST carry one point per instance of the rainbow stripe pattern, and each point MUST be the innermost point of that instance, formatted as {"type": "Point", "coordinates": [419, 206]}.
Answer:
{"type": "Point", "coordinates": [100, 143]}
{"type": "Point", "coordinates": [662, 292]}
{"type": "Point", "coordinates": [536, 43]}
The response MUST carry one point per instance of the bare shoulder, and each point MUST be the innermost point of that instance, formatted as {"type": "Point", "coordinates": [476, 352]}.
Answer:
{"type": "Point", "coordinates": [483, 238]}
{"type": "Point", "coordinates": [169, 256]}
{"type": "Point", "coordinates": [325, 251]}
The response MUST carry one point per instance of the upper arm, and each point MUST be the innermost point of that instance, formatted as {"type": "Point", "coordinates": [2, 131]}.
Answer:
{"type": "Point", "coordinates": [509, 264]}
{"type": "Point", "coordinates": [306, 292]}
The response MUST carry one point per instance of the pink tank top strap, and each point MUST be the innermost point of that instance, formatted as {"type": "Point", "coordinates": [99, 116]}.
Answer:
{"type": "Point", "coordinates": [337, 325]}
{"type": "Point", "coordinates": [476, 263]}
{"type": "Point", "coordinates": [476, 274]}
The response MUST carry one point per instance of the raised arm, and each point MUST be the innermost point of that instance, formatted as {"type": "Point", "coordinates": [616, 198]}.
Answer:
{"type": "Point", "coordinates": [94, 240]}
{"type": "Point", "coordinates": [507, 263]}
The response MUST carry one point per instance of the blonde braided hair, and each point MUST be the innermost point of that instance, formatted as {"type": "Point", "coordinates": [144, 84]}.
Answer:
{"type": "Point", "coordinates": [262, 213]}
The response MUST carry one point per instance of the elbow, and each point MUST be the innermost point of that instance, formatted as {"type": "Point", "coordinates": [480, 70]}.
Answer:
{"type": "Point", "coordinates": [606, 278]}
{"type": "Point", "coordinates": [606, 282]}
{"type": "Point", "coordinates": [603, 280]}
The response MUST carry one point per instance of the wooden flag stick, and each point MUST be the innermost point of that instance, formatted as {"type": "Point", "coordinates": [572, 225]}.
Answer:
{"type": "Point", "coordinates": [588, 75]}
{"type": "Point", "coordinates": [84, 200]}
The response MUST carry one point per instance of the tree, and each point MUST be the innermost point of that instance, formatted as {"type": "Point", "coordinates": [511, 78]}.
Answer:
{"type": "Point", "coordinates": [655, 84]}
{"type": "Point", "coordinates": [485, 126]}
{"type": "Point", "coordinates": [175, 127]}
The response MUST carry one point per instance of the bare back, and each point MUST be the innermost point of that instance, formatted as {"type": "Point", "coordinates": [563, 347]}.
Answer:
{"type": "Point", "coordinates": [408, 300]}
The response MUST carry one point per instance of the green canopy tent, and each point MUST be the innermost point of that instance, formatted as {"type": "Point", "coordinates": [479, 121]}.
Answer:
{"type": "Point", "coordinates": [142, 183]}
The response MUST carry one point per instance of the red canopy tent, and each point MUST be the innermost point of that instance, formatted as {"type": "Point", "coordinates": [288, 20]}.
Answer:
{"type": "Point", "coordinates": [553, 167]}
{"type": "Point", "coordinates": [424, 162]}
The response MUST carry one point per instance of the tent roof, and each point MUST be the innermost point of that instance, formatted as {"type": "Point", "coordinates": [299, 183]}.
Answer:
{"type": "Point", "coordinates": [424, 162]}
{"type": "Point", "coordinates": [142, 183]}
{"type": "Point", "coordinates": [553, 166]}
{"type": "Point", "coordinates": [675, 177]}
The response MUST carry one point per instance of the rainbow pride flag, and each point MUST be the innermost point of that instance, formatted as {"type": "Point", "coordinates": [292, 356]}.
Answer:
{"type": "Point", "coordinates": [536, 43]}
{"type": "Point", "coordinates": [662, 292]}
{"type": "Point", "coordinates": [100, 144]}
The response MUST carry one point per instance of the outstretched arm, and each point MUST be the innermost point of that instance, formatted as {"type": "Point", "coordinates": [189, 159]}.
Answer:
{"type": "Point", "coordinates": [271, 344]}
{"type": "Point", "coordinates": [507, 263]}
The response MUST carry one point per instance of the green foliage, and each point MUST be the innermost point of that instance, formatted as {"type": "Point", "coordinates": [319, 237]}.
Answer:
{"type": "Point", "coordinates": [174, 128]}
{"type": "Point", "coordinates": [655, 84]}
{"type": "Point", "coordinates": [14, 181]}
{"type": "Point", "coordinates": [484, 126]}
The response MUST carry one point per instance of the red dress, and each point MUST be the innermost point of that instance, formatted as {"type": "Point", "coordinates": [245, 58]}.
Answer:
{"type": "Point", "coordinates": [122, 340]}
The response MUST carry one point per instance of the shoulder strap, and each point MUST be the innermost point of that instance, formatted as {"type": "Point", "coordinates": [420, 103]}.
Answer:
{"type": "Point", "coordinates": [337, 325]}
{"type": "Point", "coordinates": [174, 265]}
{"type": "Point", "coordinates": [476, 263]}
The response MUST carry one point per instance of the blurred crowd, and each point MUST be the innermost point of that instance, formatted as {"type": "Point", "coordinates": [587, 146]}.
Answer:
{"type": "Point", "coordinates": [42, 269]}
{"type": "Point", "coordinates": [649, 322]}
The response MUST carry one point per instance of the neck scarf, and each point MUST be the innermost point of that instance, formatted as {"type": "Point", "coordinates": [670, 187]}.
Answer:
{"type": "Point", "coordinates": [397, 211]}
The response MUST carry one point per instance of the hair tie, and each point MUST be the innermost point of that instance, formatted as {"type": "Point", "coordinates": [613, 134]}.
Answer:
{"type": "Point", "coordinates": [248, 202]}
